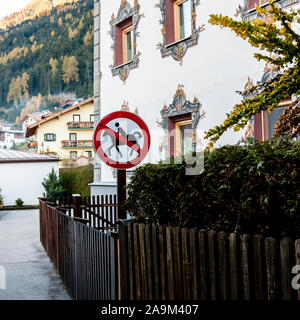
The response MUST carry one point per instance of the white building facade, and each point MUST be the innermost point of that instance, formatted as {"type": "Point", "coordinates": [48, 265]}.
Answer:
{"type": "Point", "coordinates": [164, 61]}
{"type": "Point", "coordinates": [9, 138]}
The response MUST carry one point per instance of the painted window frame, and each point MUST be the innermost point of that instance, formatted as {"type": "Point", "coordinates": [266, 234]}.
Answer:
{"type": "Point", "coordinates": [126, 13]}
{"type": "Point", "coordinates": [172, 46]}
{"type": "Point", "coordinates": [180, 111]}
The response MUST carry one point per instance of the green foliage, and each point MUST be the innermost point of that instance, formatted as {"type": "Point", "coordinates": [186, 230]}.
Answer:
{"type": "Point", "coordinates": [32, 55]}
{"type": "Point", "coordinates": [252, 188]}
{"type": "Point", "coordinates": [275, 35]}
{"type": "Point", "coordinates": [53, 186]}
{"type": "Point", "coordinates": [77, 180]}
{"type": "Point", "coordinates": [19, 203]}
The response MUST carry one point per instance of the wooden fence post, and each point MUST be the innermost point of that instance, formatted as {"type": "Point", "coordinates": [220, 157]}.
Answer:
{"type": "Point", "coordinates": [123, 261]}
{"type": "Point", "coordinates": [77, 205]}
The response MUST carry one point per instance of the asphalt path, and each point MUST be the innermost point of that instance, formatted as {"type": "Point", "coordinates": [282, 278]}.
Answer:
{"type": "Point", "coordinates": [25, 269]}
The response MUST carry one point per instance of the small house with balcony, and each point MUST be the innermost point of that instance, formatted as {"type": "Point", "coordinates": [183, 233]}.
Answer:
{"type": "Point", "coordinates": [67, 134]}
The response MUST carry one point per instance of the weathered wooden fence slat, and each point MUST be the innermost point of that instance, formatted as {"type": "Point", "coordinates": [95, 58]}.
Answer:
{"type": "Point", "coordinates": [170, 264]}
{"type": "Point", "coordinates": [212, 264]}
{"type": "Point", "coordinates": [258, 274]}
{"type": "Point", "coordinates": [270, 251]}
{"type": "Point", "coordinates": [163, 278]}
{"type": "Point", "coordinates": [177, 263]}
{"type": "Point", "coordinates": [203, 264]}
{"type": "Point", "coordinates": [155, 254]}
{"type": "Point", "coordinates": [194, 272]}
{"type": "Point", "coordinates": [148, 261]}
{"type": "Point", "coordinates": [233, 266]}
{"type": "Point", "coordinates": [245, 267]}
{"type": "Point", "coordinates": [286, 267]}
{"type": "Point", "coordinates": [222, 252]}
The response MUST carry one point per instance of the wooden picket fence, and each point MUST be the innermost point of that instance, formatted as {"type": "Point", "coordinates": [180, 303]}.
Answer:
{"type": "Point", "coordinates": [97, 260]}
{"type": "Point", "coordinates": [84, 257]}
{"type": "Point", "coordinates": [98, 212]}
{"type": "Point", "coordinates": [165, 263]}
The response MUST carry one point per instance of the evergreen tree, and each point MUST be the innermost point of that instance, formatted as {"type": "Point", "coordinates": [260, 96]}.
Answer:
{"type": "Point", "coordinates": [53, 186]}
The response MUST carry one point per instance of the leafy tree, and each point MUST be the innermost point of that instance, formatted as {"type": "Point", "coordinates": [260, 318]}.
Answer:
{"type": "Point", "coordinates": [15, 90]}
{"type": "Point", "coordinates": [274, 34]}
{"type": "Point", "coordinates": [54, 67]}
{"type": "Point", "coordinates": [88, 37]}
{"type": "Point", "coordinates": [70, 69]}
{"type": "Point", "coordinates": [24, 81]}
{"type": "Point", "coordinates": [53, 187]}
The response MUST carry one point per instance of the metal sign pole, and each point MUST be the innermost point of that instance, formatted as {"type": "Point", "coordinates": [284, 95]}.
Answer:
{"type": "Point", "coordinates": [121, 193]}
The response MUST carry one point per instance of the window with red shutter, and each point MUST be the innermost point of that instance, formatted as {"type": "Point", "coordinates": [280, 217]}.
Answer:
{"type": "Point", "coordinates": [124, 34]}
{"type": "Point", "coordinates": [123, 42]}
{"type": "Point", "coordinates": [179, 27]}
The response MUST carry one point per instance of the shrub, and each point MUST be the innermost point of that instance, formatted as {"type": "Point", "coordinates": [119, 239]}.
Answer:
{"type": "Point", "coordinates": [77, 180]}
{"type": "Point", "coordinates": [53, 186]}
{"type": "Point", "coordinates": [19, 203]}
{"type": "Point", "coordinates": [252, 189]}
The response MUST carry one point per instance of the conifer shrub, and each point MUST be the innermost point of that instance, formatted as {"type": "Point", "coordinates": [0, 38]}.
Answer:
{"type": "Point", "coordinates": [253, 188]}
{"type": "Point", "coordinates": [53, 186]}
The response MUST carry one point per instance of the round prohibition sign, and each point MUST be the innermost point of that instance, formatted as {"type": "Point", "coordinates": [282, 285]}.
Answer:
{"type": "Point", "coordinates": [122, 140]}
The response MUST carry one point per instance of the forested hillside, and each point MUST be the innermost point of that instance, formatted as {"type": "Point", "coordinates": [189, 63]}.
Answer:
{"type": "Point", "coordinates": [46, 56]}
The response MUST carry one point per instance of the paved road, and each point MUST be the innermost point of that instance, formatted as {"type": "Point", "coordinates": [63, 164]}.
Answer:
{"type": "Point", "coordinates": [29, 273]}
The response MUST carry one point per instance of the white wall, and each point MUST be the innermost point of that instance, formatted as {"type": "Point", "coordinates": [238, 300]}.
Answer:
{"type": "Point", "coordinates": [24, 180]}
{"type": "Point", "coordinates": [212, 71]}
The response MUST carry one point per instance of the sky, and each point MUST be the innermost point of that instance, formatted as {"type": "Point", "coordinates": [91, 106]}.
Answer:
{"type": "Point", "coordinates": [10, 6]}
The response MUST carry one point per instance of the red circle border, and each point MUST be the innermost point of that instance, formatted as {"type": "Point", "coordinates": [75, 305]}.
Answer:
{"type": "Point", "coordinates": [97, 144]}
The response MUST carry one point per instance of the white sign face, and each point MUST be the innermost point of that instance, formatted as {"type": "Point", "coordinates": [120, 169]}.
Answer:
{"type": "Point", "coordinates": [117, 150]}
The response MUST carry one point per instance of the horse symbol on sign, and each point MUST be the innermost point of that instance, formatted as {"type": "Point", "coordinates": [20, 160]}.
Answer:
{"type": "Point", "coordinates": [115, 143]}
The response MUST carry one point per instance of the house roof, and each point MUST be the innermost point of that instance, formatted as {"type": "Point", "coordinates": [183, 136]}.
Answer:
{"type": "Point", "coordinates": [12, 156]}
{"type": "Point", "coordinates": [32, 128]}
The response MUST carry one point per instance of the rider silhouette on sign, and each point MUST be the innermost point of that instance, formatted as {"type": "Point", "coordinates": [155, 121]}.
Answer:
{"type": "Point", "coordinates": [122, 133]}
{"type": "Point", "coordinates": [116, 143]}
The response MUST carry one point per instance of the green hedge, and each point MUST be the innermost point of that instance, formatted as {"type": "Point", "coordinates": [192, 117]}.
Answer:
{"type": "Point", "coordinates": [77, 180]}
{"type": "Point", "coordinates": [248, 189]}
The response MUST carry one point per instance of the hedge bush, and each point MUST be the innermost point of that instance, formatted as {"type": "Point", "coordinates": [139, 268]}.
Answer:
{"type": "Point", "coordinates": [252, 188]}
{"type": "Point", "coordinates": [77, 180]}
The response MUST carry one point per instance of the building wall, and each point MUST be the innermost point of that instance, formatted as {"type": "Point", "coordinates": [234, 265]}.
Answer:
{"type": "Point", "coordinates": [59, 127]}
{"type": "Point", "coordinates": [9, 137]}
{"type": "Point", "coordinates": [213, 70]}
{"type": "Point", "coordinates": [24, 180]}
